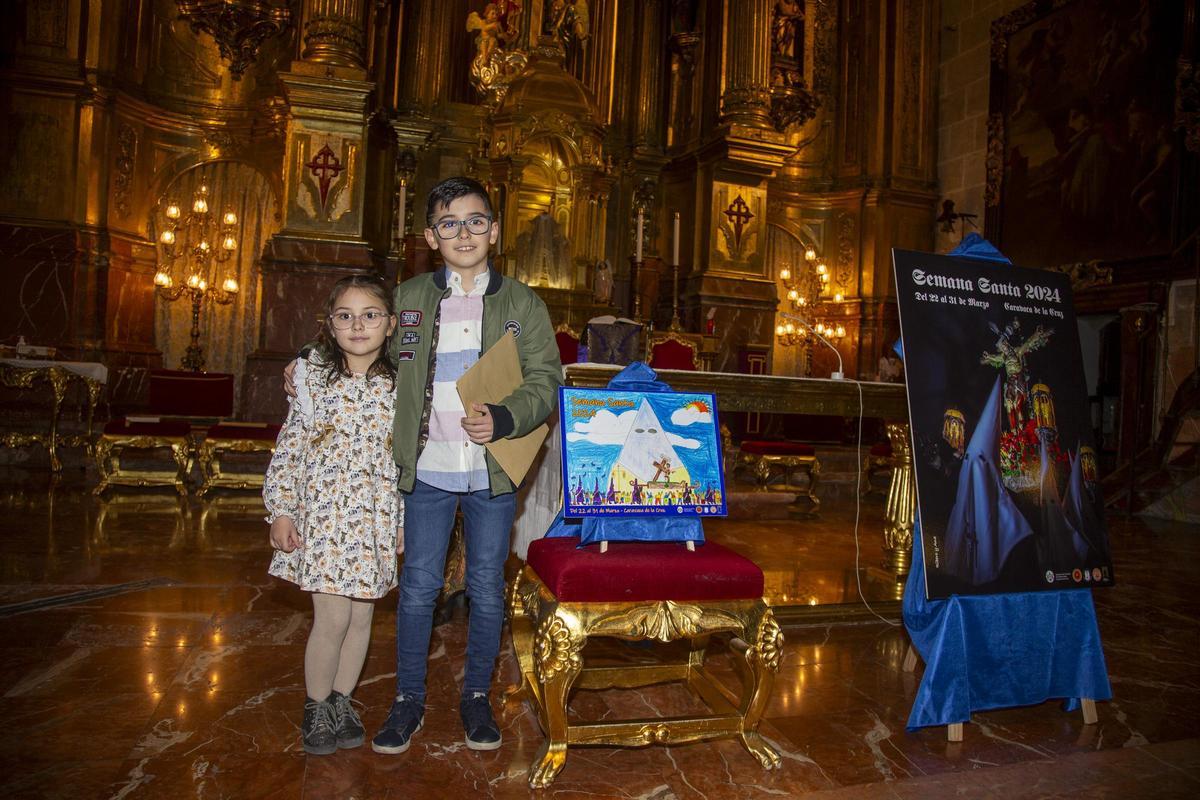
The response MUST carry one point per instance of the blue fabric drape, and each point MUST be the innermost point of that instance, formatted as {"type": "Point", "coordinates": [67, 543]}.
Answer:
{"type": "Point", "coordinates": [996, 651]}
{"type": "Point", "coordinates": [637, 377]}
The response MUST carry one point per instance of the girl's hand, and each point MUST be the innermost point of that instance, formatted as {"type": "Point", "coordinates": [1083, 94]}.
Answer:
{"type": "Point", "coordinates": [400, 540]}
{"type": "Point", "coordinates": [284, 535]}
{"type": "Point", "coordinates": [289, 385]}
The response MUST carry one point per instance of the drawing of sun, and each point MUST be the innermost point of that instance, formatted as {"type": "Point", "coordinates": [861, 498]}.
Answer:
{"type": "Point", "coordinates": [699, 406]}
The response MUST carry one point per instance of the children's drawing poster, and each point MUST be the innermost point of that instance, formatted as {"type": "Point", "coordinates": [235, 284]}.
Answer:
{"type": "Point", "coordinates": [1003, 446]}
{"type": "Point", "coordinates": [640, 453]}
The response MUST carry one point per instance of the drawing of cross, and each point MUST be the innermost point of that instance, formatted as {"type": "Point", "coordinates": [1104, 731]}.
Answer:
{"type": "Point", "coordinates": [325, 167]}
{"type": "Point", "coordinates": [663, 465]}
{"type": "Point", "coordinates": [739, 215]}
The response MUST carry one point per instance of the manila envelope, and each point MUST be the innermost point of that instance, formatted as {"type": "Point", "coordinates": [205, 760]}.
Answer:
{"type": "Point", "coordinates": [495, 376]}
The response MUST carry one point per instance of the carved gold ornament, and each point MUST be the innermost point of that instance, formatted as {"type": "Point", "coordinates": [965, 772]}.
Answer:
{"type": "Point", "coordinates": [555, 649]}
{"type": "Point", "coordinates": [238, 26]}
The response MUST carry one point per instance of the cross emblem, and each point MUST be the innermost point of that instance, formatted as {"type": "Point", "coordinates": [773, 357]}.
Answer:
{"type": "Point", "coordinates": [325, 167]}
{"type": "Point", "coordinates": [739, 216]}
{"type": "Point", "coordinates": [663, 465]}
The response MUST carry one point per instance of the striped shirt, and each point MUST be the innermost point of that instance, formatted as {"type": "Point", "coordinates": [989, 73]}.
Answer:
{"type": "Point", "coordinates": [451, 461]}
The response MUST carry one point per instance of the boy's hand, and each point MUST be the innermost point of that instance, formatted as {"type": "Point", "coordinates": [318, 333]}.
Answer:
{"type": "Point", "coordinates": [400, 540]}
{"type": "Point", "coordinates": [284, 535]}
{"type": "Point", "coordinates": [289, 385]}
{"type": "Point", "coordinates": [479, 429]}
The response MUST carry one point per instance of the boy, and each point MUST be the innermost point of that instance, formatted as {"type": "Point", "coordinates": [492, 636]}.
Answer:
{"type": "Point", "coordinates": [446, 319]}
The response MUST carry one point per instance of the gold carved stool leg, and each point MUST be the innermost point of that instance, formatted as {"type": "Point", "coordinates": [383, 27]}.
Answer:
{"type": "Point", "coordinates": [104, 452]}
{"type": "Point", "coordinates": [181, 452]}
{"type": "Point", "coordinates": [557, 663]}
{"type": "Point", "coordinates": [757, 667]}
{"type": "Point", "coordinates": [521, 627]}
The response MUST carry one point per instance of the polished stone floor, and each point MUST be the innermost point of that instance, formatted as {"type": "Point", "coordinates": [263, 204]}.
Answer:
{"type": "Point", "coordinates": [147, 654]}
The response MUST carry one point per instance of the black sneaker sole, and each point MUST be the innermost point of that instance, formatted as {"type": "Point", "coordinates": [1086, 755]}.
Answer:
{"type": "Point", "coordinates": [351, 742]}
{"type": "Point", "coordinates": [473, 745]}
{"type": "Point", "coordinates": [321, 749]}
{"type": "Point", "coordinates": [398, 749]}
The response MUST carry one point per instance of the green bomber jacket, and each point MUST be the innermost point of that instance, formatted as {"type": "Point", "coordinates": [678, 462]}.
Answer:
{"type": "Point", "coordinates": [508, 304]}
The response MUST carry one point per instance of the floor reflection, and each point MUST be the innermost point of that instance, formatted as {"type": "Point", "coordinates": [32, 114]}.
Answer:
{"type": "Point", "coordinates": [148, 654]}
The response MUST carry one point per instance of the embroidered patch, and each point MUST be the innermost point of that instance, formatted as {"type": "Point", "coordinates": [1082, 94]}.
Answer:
{"type": "Point", "coordinates": [410, 337]}
{"type": "Point", "coordinates": [406, 355]}
{"type": "Point", "coordinates": [513, 327]}
{"type": "Point", "coordinates": [410, 318]}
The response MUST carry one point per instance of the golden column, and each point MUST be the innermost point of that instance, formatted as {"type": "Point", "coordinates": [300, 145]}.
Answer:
{"type": "Point", "coordinates": [333, 32]}
{"type": "Point", "coordinates": [325, 231]}
{"type": "Point", "coordinates": [728, 274]}
{"type": "Point", "coordinates": [746, 97]}
{"type": "Point", "coordinates": [327, 97]}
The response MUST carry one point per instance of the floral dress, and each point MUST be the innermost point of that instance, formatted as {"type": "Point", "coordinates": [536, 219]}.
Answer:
{"type": "Point", "coordinates": [333, 473]}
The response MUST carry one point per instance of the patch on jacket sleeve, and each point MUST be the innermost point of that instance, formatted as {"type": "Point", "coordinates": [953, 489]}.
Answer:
{"type": "Point", "coordinates": [410, 337]}
{"type": "Point", "coordinates": [406, 355]}
{"type": "Point", "coordinates": [410, 318]}
{"type": "Point", "coordinates": [513, 327]}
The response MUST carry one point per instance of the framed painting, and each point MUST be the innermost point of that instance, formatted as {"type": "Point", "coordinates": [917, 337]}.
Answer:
{"type": "Point", "coordinates": [1083, 156]}
{"type": "Point", "coordinates": [641, 453]}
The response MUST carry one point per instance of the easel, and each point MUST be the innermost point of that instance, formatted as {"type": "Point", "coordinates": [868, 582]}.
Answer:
{"type": "Point", "coordinates": [954, 731]}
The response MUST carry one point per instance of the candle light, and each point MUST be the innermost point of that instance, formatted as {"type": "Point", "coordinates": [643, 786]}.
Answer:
{"type": "Point", "coordinates": [675, 249]}
{"type": "Point", "coordinates": [638, 256]}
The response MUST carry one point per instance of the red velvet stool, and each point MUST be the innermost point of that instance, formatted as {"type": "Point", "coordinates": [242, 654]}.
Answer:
{"type": "Point", "coordinates": [762, 457]}
{"type": "Point", "coordinates": [641, 591]}
{"type": "Point", "coordinates": [123, 434]}
{"type": "Point", "coordinates": [234, 437]}
{"type": "Point", "coordinates": [178, 402]}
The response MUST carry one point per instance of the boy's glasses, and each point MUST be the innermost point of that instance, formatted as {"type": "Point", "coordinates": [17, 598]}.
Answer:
{"type": "Point", "coordinates": [344, 320]}
{"type": "Point", "coordinates": [449, 228]}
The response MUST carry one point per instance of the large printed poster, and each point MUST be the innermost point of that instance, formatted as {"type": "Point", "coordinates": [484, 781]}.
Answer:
{"type": "Point", "coordinates": [641, 453]}
{"type": "Point", "coordinates": [1003, 448]}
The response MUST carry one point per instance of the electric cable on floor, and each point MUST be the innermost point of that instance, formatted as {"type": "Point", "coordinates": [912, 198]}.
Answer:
{"type": "Point", "coordinates": [858, 507]}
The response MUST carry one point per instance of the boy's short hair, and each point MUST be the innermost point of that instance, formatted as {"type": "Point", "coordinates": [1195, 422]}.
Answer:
{"type": "Point", "coordinates": [449, 190]}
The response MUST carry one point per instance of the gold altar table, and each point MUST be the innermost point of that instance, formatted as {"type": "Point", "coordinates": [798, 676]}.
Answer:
{"type": "Point", "coordinates": [776, 394]}
{"type": "Point", "coordinates": [26, 373]}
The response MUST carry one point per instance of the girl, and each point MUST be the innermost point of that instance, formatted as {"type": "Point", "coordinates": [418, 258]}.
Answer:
{"type": "Point", "coordinates": [331, 496]}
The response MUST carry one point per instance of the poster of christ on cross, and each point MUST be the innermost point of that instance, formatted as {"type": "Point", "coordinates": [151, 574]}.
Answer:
{"type": "Point", "coordinates": [641, 453]}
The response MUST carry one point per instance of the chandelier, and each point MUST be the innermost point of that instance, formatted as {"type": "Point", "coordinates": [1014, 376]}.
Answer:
{"type": "Point", "coordinates": [192, 246]}
{"type": "Point", "coordinates": [806, 288]}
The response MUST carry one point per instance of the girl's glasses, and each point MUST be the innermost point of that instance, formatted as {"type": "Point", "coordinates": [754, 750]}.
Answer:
{"type": "Point", "coordinates": [448, 228]}
{"type": "Point", "coordinates": [344, 320]}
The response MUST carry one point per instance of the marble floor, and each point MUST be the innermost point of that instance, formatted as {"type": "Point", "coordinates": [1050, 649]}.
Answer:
{"type": "Point", "coordinates": [146, 653]}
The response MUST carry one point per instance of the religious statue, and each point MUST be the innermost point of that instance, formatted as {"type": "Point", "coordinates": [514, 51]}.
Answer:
{"type": "Point", "coordinates": [787, 19]}
{"type": "Point", "coordinates": [569, 22]}
{"type": "Point", "coordinates": [1010, 357]}
{"type": "Point", "coordinates": [493, 66]}
{"type": "Point", "coordinates": [602, 283]}
{"type": "Point", "coordinates": [543, 254]}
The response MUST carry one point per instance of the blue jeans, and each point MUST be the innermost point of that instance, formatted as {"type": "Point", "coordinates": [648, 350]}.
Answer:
{"type": "Point", "coordinates": [428, 521]}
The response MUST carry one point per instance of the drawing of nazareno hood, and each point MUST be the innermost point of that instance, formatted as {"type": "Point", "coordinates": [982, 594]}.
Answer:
{"type": "Point", "coordinates": [646, 443]}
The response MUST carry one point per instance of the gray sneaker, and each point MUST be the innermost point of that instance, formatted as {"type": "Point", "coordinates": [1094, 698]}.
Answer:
{"type": "Point", "coordinates": [348, 727]}
{"type": "Point", "coordinates": [317, 733]}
